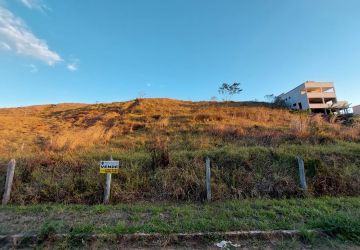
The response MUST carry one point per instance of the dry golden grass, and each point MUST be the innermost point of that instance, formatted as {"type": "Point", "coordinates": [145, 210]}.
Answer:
{"type": "Point", "coordinates": [162, 143]}
{"type": "Point", "coordinates": [73, 126]}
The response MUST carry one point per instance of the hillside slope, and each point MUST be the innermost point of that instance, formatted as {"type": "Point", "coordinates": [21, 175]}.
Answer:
{"type": "Point", "coordinates": [162, 143]}
{"type": "Point", "coordinates": [74, 126]}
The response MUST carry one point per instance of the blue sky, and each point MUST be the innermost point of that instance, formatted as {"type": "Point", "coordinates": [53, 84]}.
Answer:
{"type": "Point", "coordinates": [87, 51]}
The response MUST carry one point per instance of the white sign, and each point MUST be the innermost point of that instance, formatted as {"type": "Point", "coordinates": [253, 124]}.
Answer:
{"type": "Point", "coordinates": [109, 167]}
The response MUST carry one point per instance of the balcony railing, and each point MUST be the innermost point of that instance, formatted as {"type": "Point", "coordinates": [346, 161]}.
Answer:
{"type": "Point", "coordinates": [321, 95]}
{"type": "Point", "coordinates": [319, 106]}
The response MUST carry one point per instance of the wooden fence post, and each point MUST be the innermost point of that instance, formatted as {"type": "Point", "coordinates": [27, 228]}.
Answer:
{"type": "Point", "coordinates": [107, 186]}
{"type": "Point", "coordinates": [208, 179]}
{"type": "Point", "coordinates": [9, 180]}
{"type": "Point", "coordinates": [302, 173]}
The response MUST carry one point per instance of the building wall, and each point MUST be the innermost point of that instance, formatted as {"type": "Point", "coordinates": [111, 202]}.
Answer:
{"type": "Point", "coordinates": [324, 91]}
{"type": "Point", "coordinates": [356, 110]}
{"type": "Point", "coordinates": [313, 95]}
{"type": "Point", "coordinates": [295, 97]}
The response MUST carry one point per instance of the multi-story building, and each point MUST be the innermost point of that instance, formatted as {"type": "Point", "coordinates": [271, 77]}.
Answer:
{"type": "Point", "coordinates": [314, 96]}
{"type": "Point", "coordinates": [356, 110]}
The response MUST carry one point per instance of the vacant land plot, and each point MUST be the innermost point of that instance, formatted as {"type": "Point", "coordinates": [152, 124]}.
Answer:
{"type": "Point", "coordinates": [162, 144]}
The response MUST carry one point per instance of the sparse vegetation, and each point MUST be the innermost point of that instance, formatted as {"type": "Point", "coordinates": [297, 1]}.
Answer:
{"type": "Point", "coordinates": [334, 216]}
{"type": "Point", "coordinates": [276, 101]}
{"type": "Point", "coordinates": [230, 89]}
{"type": "Point", "coordinates": [162, 144]}
{"type": "Point", "coordinates": [49, 228]}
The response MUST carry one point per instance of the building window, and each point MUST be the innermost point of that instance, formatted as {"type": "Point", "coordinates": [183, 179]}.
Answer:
{"type": "Point", "coordinates": [300, 106]}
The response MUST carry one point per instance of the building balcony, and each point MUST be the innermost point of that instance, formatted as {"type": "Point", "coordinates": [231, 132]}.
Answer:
{"type": "Point", "coordinates": [321, 95]}
{"type": "Point", "coordinates": [324, 85]}
{"type": "Point", "coordinates": [319, 106]}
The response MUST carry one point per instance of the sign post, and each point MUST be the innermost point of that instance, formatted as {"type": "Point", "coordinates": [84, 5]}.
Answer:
{"type": "Point", "coordinates": [108, 168]}
{"type": "Point", "coordinates": [107, 189]}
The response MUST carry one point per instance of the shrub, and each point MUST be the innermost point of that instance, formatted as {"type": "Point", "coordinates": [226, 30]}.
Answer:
{"type": "Point", "coordinates": [159, 152]}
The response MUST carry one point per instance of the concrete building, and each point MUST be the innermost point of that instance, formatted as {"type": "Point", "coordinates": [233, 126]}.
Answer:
{"type": "Point", "coordinates": [314, 96]}
{"type": "Point", "coordinates": [356, 110]}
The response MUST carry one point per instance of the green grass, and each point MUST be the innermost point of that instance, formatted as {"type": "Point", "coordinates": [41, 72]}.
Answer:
{"type": "Point", "coordinates": [337, 217]}
{"type": "Point", "coordinates": [50, 228]}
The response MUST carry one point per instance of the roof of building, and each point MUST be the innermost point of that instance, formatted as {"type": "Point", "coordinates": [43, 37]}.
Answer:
{"type": "Point", "coordinates": [314, 83]}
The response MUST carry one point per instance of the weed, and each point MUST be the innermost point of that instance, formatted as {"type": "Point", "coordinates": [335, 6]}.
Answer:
{"type": "Point", "coordinates": [120, 228]}
{"type": "Point", "coordinates": [80, 234]}
{"type": "Point", "coordinates": [50, 228]}
{"type": "Point", "coordinates": [307, 237]}
{"type": "Point", "coordinates": [341, 226]}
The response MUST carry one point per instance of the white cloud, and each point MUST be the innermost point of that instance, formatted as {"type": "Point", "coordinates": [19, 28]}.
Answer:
{"type": "Point", "coordinates": [35, 4]}
{"type": "Point", "coordinates": [73, 65]}
{"type": "Point", "coordinates": [15, 33]}
{"type": "Point", "coordinates": [33, 68]}
{"type": "Point", "coordinates": [4, 46]}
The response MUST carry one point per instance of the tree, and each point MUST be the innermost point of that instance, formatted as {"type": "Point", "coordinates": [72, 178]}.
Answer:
{"type": "Point", "coordinates": [270, 98]}
{"type": "Point", "coordinates": [230, 89]}
{"type": "Point", "coordinates": [276, 100]}
{"type": "Point", "coordinates": [280, 102]}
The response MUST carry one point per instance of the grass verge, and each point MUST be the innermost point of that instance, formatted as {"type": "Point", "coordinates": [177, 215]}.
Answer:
{"type": "Point", "coordinates": [337, 217]}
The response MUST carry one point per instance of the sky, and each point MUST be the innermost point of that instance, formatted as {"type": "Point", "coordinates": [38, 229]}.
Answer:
{"type": "Point", "coordinates": [92, 51]}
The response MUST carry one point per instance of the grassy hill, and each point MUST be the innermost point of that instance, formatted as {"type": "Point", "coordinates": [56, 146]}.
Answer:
{"type": "Point", "coordinates": [162, 143]}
